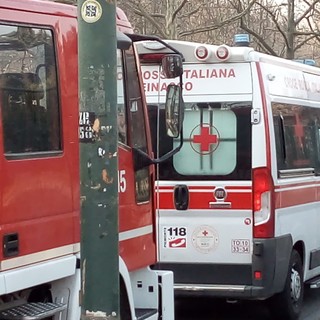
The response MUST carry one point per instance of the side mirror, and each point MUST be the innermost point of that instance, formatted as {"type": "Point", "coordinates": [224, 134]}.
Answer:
{"type": "Point", "coordinates": [172, 66]}
{"type": "Point", "coordinates": [174, 110]}
{"type": "Point", "coordinates": [123, 41]}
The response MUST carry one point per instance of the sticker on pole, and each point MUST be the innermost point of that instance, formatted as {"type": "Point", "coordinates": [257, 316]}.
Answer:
{"type": "Point", "coordinates": [91, 11]}
{"type": "Point", "coordinates": [205, 239]}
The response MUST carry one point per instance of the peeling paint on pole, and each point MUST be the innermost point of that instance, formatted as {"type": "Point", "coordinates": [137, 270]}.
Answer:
{"type": "Point", "coordinates": [98, 160]}
{"type": "Point", "coordinates": [99, 315]}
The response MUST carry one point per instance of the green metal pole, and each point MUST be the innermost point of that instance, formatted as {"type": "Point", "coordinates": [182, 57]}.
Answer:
{"type": "Point", "coordinates": [98, 159]}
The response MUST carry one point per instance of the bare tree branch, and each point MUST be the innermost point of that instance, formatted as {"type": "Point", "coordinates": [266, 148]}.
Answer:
{"type": "Point", "coordinates": [303, 42]}
{"type": "Point", "coordinates": [282, 29]}
{"type": "Point", "coordinates": [157, 15]}
{"type": "Point", "coordinates": [190, 13]}
{"type": "Point", "coordinates": [219, 25]}
{"type": "Point", "coordinates": [140, 11]}
{"type": "Point", "coordinates": [306, 33]}
{"type": "Point", "coordinates": [182, 4]}
{"type": "Point", "coordinates": [278, 26]}
{"type": "Point", "coordinates": [259, 38]}
{"type": "Point", "coordinates": [311, 7]}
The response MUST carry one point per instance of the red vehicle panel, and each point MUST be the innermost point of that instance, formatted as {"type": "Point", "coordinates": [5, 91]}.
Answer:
{"type": "Point", "coordinates": [42, 132]}
{"type": "Point", "coordinates": [40, 195]}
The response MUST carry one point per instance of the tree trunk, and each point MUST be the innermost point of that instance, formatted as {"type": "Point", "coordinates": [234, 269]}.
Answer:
{"type": "Point", "coordinates": [290, 31]}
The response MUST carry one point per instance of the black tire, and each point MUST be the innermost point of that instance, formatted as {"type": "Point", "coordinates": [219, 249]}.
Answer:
{"type": "Point", "coordinates": [125, 313]}
{"type": "Point", "coordinates": [287, 305]}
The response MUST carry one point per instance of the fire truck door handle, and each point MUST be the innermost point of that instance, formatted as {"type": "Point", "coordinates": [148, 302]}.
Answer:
{"type": "Point", "coordinates": [10, 245]}
{"type": "Point", "coordinates": [181, 197]}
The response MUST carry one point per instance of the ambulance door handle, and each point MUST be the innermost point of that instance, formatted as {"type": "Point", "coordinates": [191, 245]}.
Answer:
{"type": "Point", "coordinates": [181, 197]}
{"type": "Point", "coordinates": [10, 244]}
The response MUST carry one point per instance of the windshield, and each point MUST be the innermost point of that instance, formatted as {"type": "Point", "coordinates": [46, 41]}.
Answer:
{"type": "Point", "coordinates": [217, 142]}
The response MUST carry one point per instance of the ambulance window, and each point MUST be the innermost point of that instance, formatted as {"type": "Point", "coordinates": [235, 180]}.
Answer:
{"type": "Point", "coordinates": [211, 148]}
{"type": "Point", "coordinates": [29, 94]}
{"type": "Point", "coordinates": [297, 136]}
{"type": "Point", "coordinates": [217, 142]}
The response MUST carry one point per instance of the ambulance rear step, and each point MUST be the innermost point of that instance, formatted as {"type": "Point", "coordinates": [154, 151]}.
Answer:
{"type": "Point", "coordinates": [142, 314]}
{"type": "Point", "coordinates": [32, 311]}
{"type": "Point", "coordinates": [314, 283]}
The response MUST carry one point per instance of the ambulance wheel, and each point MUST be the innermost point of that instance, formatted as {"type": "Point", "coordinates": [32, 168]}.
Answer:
{"type": "Point", "coordinates": [287, 305]}
{"type": "Point", "coordinates": [125, 313]}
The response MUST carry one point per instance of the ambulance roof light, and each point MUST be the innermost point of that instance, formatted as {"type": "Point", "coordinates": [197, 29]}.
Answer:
{"type": "Point", "coordinates": [241, 40]}
{"type": "Point", "coordinates": [153, 45]}
{"type": "Point", "coordinates": [222, 53]}
{"type": "Point", "coordinates": [202, 53]}
{"type": "Point", "coordinates": [309, 62]}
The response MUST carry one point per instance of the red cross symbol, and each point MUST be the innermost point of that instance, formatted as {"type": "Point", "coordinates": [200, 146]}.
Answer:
{"type": "Point", "coordinates": [299, 130]}
{"type": "Point", "coordinates": [205, 233]}
{"type": "Point", "coordinates": [205, 139]}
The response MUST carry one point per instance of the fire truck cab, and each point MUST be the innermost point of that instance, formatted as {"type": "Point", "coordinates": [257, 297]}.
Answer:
{"type": "Point", "coordinates": [39, 165]}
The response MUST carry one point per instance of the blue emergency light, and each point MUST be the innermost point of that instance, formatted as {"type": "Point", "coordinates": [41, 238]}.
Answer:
{"type": "Point", "coordinates": [241, 40]}
{"type": "Point", "coordinates": [309, 62]}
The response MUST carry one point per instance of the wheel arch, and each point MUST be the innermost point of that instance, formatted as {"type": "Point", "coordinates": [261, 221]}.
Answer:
{"type": "Point", "coordinates": [124, 278]}
{"type": "Point", "coordinates": [299, 246]}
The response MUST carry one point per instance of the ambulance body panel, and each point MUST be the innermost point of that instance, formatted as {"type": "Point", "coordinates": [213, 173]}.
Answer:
{"type": "Point", "coordinates": [238, 206]}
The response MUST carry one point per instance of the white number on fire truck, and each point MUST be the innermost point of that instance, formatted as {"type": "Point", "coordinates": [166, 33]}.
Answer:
{"type": "Point", "coordinates": [122, 182]}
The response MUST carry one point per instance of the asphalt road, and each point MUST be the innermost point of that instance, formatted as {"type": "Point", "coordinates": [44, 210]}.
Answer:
{"type": "Point", "coordinates": [215, 309]}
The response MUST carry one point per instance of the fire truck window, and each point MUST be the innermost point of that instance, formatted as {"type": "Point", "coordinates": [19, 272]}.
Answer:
{"type": "Point", "coordinates": [28, 90]}
{"type": "Point", "coordinates": [138, 138]}
{"type": "Point", "coordinates": [122, 117]}
{"type": "Point", "coordinates": [138, 131]}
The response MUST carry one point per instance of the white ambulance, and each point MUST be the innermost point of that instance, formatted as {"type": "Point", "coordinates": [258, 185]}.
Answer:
{"type": "Point", "coordinates": [239, 205]}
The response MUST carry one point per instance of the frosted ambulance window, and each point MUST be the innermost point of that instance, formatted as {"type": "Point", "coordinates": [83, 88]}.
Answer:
{"type": "Point", "coordinates": [210, 135]}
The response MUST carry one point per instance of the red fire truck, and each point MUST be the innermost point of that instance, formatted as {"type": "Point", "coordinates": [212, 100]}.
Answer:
{"type": "Point", "coordinates": [39, 156]}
